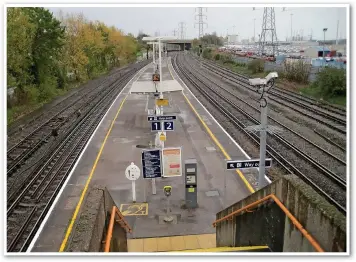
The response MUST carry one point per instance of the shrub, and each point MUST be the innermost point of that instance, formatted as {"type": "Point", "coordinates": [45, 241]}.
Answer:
{"type": "Point", "coordinates": [207, 53]}
{"type": "Point", "coordinates": [296, 71]}
{"type": "Point", "coordinates": [331, 82]}
{"type": "Point", "coordinates": [227, 59]}
{"type": "Point", "coordinates": [217, 57]}
{"type": "Point", "coordinates": [256, 66]}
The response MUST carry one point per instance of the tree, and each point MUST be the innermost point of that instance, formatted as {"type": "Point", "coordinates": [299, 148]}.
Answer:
{"type": "Point", "coordinates": [211, 39]}
{"type": "Point", "coordinates": [20, 35]}
{"type": "Point", "coordinates": [47, 43]}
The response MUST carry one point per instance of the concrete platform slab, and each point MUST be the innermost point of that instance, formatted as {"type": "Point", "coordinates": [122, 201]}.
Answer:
{"type": "Point", "coordinates": [147, 74]}
{"type": "Point", "coordinates": [149, 86]}
{"type": "Point", "coordinates": [130, 131]}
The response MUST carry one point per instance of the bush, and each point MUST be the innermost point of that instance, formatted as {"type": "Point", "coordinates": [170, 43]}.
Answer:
{"type": "Point", "coordinates": [207, 53]}
{"type": "Point", "coordinates": [47, 89]}
{"type": "Point", "coordinates": [296, 71]}
{"type": "Point", "coordinates": [217, 57]}
{"type": "Point", "coordinates": [227, 59]}
{"type": "Point", "coordinates": [256, 66]}
{"type": "Point", "coordinates": [331, 82]}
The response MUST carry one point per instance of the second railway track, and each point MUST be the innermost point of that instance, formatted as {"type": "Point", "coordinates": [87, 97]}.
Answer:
{"type": "Point", "coordinates": [333, 118]}
{"type": "Point", "coordinates": [293, 160]}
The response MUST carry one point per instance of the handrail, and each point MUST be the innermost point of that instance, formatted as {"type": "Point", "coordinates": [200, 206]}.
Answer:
{"type": "Point", "coordinates": [284, 209]}
{"type": "Point", "coordinates": [126, 226]}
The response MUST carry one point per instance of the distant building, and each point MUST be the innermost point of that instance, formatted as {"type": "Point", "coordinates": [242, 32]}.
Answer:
{"type": "Point", "coordinates": [232, 39]}
{"type": "Point", "coordinates": [316, 51]}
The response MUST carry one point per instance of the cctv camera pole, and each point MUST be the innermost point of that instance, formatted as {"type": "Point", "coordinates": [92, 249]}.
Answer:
{"type": "Point", "coordinates": [263, 141]}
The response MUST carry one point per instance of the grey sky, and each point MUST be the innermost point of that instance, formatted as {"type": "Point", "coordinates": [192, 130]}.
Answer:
{"type": "Point", "coordinates": [219, 19]}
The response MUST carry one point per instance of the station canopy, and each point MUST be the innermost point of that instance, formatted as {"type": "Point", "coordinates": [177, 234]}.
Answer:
{"type": "Point", "coordinates": [163, 39]}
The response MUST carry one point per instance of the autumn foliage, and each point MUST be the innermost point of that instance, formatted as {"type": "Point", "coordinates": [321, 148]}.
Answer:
{"type": "Point", "coordinates": [46, 54]}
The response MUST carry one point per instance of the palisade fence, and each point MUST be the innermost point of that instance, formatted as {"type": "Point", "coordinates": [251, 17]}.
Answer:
{"type": "Point", "coordinates": [278, 65]}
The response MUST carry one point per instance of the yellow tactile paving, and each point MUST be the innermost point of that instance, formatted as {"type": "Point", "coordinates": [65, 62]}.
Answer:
{"type": "Point", "coordinates": [135, 245]}
{"type": "Point", "coordinates": [177, 243]}
{"type": "Point", "coordinates": [228, 249]}
{"type": "Point", "coordinates": [207, 240]}
{"type": "Point", "coordinates": [150, 245]}
{"type": "Point", "coordinates": [164, 244]}
{"type": "Point", "coordinates": [174, 243]}
{"type": "Point", "coordinates": [191, 242]}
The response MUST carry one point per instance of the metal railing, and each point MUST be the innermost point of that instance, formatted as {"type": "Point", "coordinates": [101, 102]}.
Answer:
{"type": "Point", "coordinates": [115, 211]}
{"type": "Point", "coordinates": [304, 232]}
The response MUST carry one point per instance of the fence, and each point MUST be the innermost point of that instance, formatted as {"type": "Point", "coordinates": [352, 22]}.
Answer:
{"type": "Point", "coordinates": [316, 65]}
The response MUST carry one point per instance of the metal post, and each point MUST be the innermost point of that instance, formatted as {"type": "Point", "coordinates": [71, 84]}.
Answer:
{"type": "Point", "coordinates": [133, 191]}
{"type": "Point", "coordinates": [154, 61]}
{"type": "Point", "coordinates": [291, 30]}
{"type": "Point", "coordinates": [254, 23]}
{"type": "Point", "coordinates": [160, 65]}
{"type": "Point", "coordinates": [160, 83]}
{"type": "Point", "coordinates": [225, 189]}
{"type": "Point", "coordinates": [200, 55]}
{"type": "Point", "coordinates": [337, 33]}
{"type": "Point", "coordinates": [263, 142]}
{"type": "Point", "coordinates": [324, 51]}
{"type": "Point", "coordinates": [168, 217]}
{"type": "Point", "coordinates": [144, 191]}
{"type": "Point", "coordinates": [154, 191]}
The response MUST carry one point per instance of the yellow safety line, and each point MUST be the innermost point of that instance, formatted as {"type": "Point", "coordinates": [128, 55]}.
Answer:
{"type": "Point", "coordinates": [219, 145]}
{"type": "Point", "coordinates": [170, 69]}
{"type": "Point", "coordinates": [69, 230]}
{"type": "Point", "coordinates": [250, 188]}
{"type": "Point", "coordinates": [224, 249]}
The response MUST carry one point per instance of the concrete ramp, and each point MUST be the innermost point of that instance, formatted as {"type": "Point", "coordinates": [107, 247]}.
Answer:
{"type": "Point", "coordinates": [149, 87]}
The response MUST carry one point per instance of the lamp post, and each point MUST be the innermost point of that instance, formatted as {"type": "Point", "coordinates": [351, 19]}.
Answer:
{"type": "Point", "coordinates": [325, 29]}
{"type": "Point", "coordinates": [254, 31]}
{"type": "Point", "coordinates": [291, 28]}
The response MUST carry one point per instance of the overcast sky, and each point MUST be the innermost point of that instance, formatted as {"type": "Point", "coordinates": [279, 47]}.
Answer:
{"type": "Point", "coordinates": [219, 19]}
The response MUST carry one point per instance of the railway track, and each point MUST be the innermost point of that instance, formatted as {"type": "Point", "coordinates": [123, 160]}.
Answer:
{"type": "Point", "coordinates": [318, 152]}
{"type": "Point", "coordinates": [308, 100]}
{"type": "Point", "coordinates": [328, 115]}
{"type": "Point", "coordinates": [20, 129]}
{"type": "Point", "coordinates": [290, 158]}
{"type": "Point", "coordinates": [28, 206]}
{"type": "Point", "coordinates": [41, 135]}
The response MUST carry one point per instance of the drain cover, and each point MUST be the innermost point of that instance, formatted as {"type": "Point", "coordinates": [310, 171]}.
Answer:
{"type": "Point", "coordinates": [210, 149]}
{"type": "Point", "coordinates": [212, 193]}
{"type": "Point", "coordinates": [142, 146]}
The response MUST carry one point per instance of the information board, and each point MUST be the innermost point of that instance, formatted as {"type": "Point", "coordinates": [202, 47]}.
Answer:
{"type": "Point", "coordinates": [151, 163]}
{"type": "Point", "coordinates": [172, 162]}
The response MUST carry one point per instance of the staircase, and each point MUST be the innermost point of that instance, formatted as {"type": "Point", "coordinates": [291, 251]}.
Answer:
{"type": "Point", "coordinates": [188, 243]}
{"type": "Point", "coordinates": [285, 216]}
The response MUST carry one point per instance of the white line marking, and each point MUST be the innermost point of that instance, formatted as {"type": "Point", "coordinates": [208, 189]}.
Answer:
{"type": "Point", "coordinates": [239, 147]}
{"type": "Point", "coordinates": [146, 108]}
{"type": "Point", "coordinates": [39, 231]}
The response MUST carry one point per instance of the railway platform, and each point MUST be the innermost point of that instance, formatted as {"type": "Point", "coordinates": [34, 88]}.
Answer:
{"type": "Point", "coordinates": [119, 140]}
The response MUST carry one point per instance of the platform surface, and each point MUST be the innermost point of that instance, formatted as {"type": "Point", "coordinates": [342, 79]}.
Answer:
{"type": "Point", "coordinates": [217, 187]}
{"type": "Point", "coordinates": [144, 83]}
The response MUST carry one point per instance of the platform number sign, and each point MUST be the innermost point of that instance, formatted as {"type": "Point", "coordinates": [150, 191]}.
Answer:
{"type": "Point", "coordinates": [156, 126]}
{"type": "Point", "coordinates": [168, 126]}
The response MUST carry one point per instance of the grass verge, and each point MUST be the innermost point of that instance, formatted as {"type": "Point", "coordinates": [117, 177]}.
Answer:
{"type": "Point", "coordinates": [304, 89]}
